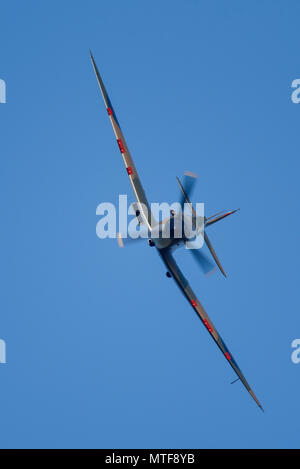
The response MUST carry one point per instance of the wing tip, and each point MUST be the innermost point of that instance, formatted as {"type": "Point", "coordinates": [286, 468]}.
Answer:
{"type": "Point", "coordinates": [91, 56]}
{"type": "Point", "coordinates": [256, 400]}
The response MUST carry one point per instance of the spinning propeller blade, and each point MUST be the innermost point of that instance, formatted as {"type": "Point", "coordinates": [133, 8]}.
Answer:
{"type": "Point", "coordinates": [185, 197]}
{"type": "Point", "coordinates": [213, 253]}
{"type": "Point", "coordinates": [208, 243]}
{"type": "Point", "coordinates": [188, 184]}
{"type": "Point", "coordinates": [206, 265]}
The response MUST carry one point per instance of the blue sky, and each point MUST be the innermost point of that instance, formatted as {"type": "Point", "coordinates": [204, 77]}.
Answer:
{"type": "Point", "coordinates": [102, 349]}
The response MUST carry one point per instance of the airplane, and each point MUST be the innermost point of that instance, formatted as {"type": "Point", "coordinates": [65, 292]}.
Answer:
{"type": "Point", "coordinates": [165, 246]}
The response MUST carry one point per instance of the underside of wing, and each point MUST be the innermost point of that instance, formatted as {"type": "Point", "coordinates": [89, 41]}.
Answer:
{"type": "Point", "coordinates": [137, 187]}
{"type": "Point", "coordinates": [200, 311]}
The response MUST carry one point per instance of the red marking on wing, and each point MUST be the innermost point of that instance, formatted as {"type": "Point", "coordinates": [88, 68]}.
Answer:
{"type": "Point", "coordinates": [109, 111]}
{"type": "Point", "coordinates": [227, 356]}
{"type": "Point", "coordinates": [207, 325]}
{"type": "Point", "coordinates": [205, 321]}
{"type": "Point", "coordinates": [129, 170]}
{"type": "Point", "coordinates": [121, 146]}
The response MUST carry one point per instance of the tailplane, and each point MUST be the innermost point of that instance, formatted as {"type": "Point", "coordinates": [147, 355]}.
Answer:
{"type": "Point", "coordinates": [217, 217]}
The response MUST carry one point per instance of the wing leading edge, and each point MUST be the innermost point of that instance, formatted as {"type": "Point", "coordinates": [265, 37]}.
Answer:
{"type": "Point", "coordinates": [198, 308]}
{"type": "Point", "coordinates": [128, 161]}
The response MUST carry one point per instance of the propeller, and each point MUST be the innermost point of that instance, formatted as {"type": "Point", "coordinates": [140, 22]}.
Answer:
{"type": "Point", "coordinates": [213, 253]}
{"type": "Point", "coordinates": [204, 262]}
{"type": "Point", "coordinates": [207, 242]}
{"type": "Point", "coordinates": [187, 187]}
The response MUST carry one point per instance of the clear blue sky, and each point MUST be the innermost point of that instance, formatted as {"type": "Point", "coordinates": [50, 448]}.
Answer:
{"type": "Point", "coordinates": [102, 349]}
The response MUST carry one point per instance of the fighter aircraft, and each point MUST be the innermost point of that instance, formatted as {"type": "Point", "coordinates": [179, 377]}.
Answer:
{"type": "Point", "coordinates": [165, 246]}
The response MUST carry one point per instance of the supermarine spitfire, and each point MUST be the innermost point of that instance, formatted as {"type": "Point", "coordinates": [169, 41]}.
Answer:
{"type": "Point", "coordinates": [166, 246]}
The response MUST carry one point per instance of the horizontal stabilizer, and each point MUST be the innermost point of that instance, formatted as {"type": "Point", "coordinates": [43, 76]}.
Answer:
{"type": "Point", "coordinates": [211, 220]}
